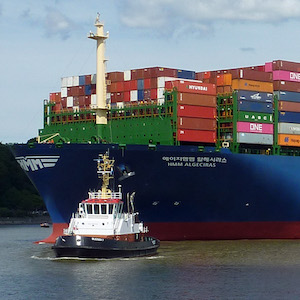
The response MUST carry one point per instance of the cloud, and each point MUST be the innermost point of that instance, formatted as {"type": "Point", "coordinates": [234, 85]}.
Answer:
{"type": "Point", "coordinates": [56, 23]}
{"type": "Point", "coordinates": [172, 14]}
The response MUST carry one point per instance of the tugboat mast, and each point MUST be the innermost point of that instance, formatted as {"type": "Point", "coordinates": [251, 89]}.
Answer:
{"type": "Point", "coordinates": [105, 172]}
{"type": "Point", "coordinates": [100, 37]}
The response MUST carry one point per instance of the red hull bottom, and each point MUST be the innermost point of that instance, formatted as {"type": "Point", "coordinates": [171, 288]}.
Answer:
{"type": "Point", "coordinates": [210, 231]}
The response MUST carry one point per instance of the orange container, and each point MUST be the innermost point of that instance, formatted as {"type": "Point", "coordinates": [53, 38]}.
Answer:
{"type": "Point", "coordinates": [224, 79]}
{"type": "Point", "coordinates": [252, 85]}
{"type": "Point", "coordinates": [289, 140]}
{"type": "Point", "coordinates": [288, 106]}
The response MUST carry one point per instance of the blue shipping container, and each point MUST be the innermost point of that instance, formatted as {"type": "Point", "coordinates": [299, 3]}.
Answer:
{"type": "Point", "coordinates": [140, 95]}
{"type": "Point", "coordinates": [88, 89]}
{"type": "Point", "coordinates": [289, 117]}
{"type": "Point", "coordinates": [288, 96]}
{"type": "Point", "coordinates": [82, 80]}
{"type": "Point", "coordinates": [140, 84]}
{"type": "Point", "coordinates": [184, 74]}
{"type": "Point", "coordinates": [255, 96]}
{"type": "Point", "coordinates": [264, 107]}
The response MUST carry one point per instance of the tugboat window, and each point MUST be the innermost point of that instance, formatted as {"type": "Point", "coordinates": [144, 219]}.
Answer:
{"type": "Point", "coordinates": [89, 208]}
{"type": "Point", "coordinates": [110, 208]}
{"type": "Point", "coordinates": [96, 209]}
{"type": "Point", "coordinates": [103, 209]}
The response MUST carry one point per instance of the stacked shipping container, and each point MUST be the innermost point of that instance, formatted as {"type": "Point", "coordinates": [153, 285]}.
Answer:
{"type": "Point", "coordinates": [196, 110]}
{"type": "Point", "coordinates": [286, 78]}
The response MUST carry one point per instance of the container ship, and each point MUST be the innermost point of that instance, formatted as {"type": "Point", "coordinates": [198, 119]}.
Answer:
{"type": "Point", "coordinates": [210, 155]}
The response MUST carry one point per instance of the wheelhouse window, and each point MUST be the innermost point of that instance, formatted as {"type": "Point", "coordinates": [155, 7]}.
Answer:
{"type": "Point", "coordinates": [89, 208]}
{"type": "Point", "coordinates": [110, 208]}
{"type": "Point", "coordinates": [96, 209]}
{"type": "Point", "coordinates": [103, 209]}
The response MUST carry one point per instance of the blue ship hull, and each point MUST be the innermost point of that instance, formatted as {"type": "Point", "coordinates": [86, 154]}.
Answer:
{"type": "Point", "coordinates": [181, 193]}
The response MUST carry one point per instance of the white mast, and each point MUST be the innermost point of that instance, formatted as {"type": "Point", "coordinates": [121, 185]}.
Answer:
{"type": "Point", "coordinates": [101, 109]}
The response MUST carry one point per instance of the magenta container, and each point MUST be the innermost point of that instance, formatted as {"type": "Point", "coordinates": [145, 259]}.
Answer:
{"type": "Point", "coordinates": [249, 127]}
{"type": "Point", "coordinates": [286, 75]}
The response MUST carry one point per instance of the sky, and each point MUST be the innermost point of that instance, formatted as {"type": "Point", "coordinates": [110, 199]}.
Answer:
{"type": "Point", "coordinates": [44, 40]}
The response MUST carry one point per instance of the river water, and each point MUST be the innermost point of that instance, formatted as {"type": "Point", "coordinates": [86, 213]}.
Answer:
{"type": "Point", "coordinates": [263, 269]}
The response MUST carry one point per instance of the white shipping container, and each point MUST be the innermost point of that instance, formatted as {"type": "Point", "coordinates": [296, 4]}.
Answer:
{"type": "Point", "coordinates": [120, 104]}
{"type": "Point", "coordinates": [127, 75]}
{"type": "Point", "coordinates": [289, 128]}
{"type": "Point", "coordinates": [70, 101]}
{"type": "Point", "coordinates": [162, 80]}
{"type": "Point", "coordinates": [64, 91]}
{"type": "Point", "coordinates": [75, 80]}
{"type": "Point", "coordinates": [134, 95]}
{"type": "Point", "coordinates": [160, 92]}
{"type": "Point", "coordinates": [161, 101]}
{"type": "Point", "coordinates": [64, 82]}
{"type": "Point", "coordinates": [93, 99]}
{"type": "Point", "coordinates": [69, 81]}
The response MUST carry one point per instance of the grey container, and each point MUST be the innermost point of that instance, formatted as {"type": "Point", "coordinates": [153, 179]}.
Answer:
{"type": "Point", "coordinates": [255, 138]}
{"type": "Point", "coordinates": [289, 128]}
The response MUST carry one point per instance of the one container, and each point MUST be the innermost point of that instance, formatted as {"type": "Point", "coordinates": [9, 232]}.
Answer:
{"type": "Point", "coordinates": [251, 85]}
{"type": "Point", "coordinates": [196, 99]}
{"type": "Point", "coordinates": [289, 117]}
{"type": "Point", "coordinates": [247, 116]}
{"type": "Point", "coordinates": [196, 123]}
{"type": "Point", "coordinates": [189, 135]}
{"type": "Point", "coordinates": [251, 127]}
{"type": "Point", "coordinates": [286, 75]}
{"type": "Point", "coordinates": [289, 140]}
{"type": "Point", "coordinates": [287, 96]}
{"type": "Point", "coordinates": [255, 96]}
{"type": "Point", "coordinates": [255, 138]}
{"type": "Point", "coordinates": [194, 111]}
{"type": "Point", "coordinates": [289, 106]}
{"type": "Point", "coordinates": [289, 128]}
{"type": "Point", "coordinates": [264, 107]}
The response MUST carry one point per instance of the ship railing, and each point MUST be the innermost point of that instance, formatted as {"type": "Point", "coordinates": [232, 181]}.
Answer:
{"type": "Point", "coordinates": [100, 195]}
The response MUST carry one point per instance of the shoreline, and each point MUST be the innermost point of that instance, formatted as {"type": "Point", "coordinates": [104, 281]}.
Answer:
{"type": "Point", "coordinates": [25, 220]}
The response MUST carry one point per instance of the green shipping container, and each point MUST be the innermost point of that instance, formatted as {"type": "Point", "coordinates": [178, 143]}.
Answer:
{"type": "Point", "coordinates": [259, 117]}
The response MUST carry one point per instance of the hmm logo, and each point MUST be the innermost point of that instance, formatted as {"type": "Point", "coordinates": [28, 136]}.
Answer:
{"type": "Point", "coordinates": [34, 163]}
{"type": "Point", "coordinates": [286, 139]}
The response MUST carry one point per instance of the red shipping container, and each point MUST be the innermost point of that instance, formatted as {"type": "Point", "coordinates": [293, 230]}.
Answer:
{"type": "Point", "coordinates": [147, 83]}
{"type": "Point", "coordinates": [75, 100]}
{"type": "Point", "coordinates": [133, 85]}
{"type": "Point", "coordinates": [189, 135]}
{"type": "Point", "coordinates": [186, 86]}
{"type": "Point", "coordinates": [286, 86]}
{"type": "Point", "coordinates": [196, 123]}
{"type": "Point", "coordinates": [137, 74]}
{"type": "Point", "coordinates": [155, 72]}
{"type": "Point", "coordinates": [57, 97]}
{"type": "Point", "coordinates": [120, 86]}
{"type": "Point", "coordinates": [74, 91]}
{"type": "Point", "coordinates": [127, 96]}
{"type": "Point", "coordinates": [286, 65]}
{"type": "Point", "coordinates": [199, 76]}
{"type": "Point", "coordinates": [153, 94]}
{"type": "Point", "coordinates": [81, 101]}
{"type": "Point", "coordinates": [88, 79]}
{"type": "Point", "coordinates": [87, 100]}
{"type": "Point", "coordinates": [115, 76]}
{"type": "Point", "coordinates": [126, 86]}
{"type": "Point", "coordinates": [52, 97]}
{"type": "Point", "coordinates": [63, 102]}
{"type": "Point", "coordinates": [251, 74]}
{"type": "Point", "coordinates": [113, 87]}
{"type": "Point", "coordinates": [93, 89]}
{"type": "Point", "coordinates": [120, 97]}
{"type": "Point", "coordinates": [69, 91]}
{"type": "Point", "coordinates": [196, 111]}
{"type": "Point", "coordinates": [153, 83]}
{"type": "Point", "coordinates": [197, 99]}
{"type": "Point", "coordinates": [113, 97]}
{"type": "Point", "coordinates": [147, 94]}
{"type": "Point", "coordinates": [81, 90]}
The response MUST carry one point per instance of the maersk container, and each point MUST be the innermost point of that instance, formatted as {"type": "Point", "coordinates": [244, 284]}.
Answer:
{"type": "Point", "coordinates": [264, 107]}
{"type": "Point", "coordinates": [287, 96]}
{"type": "Point", "coordinates": [289, 117]}
{"type": "Point", "coordinates": [245, 116]}
{"type": "Point", "coordinates": [255, 96]}
{"type": "Point", "coordinates": [254, 138]}
{"type": "Point", "coordinates": [186, 74]}
{"type": "Point", "coordinates": [289, 128]}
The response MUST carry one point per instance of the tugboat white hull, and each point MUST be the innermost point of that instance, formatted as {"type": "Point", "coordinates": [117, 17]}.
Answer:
{"type": "Point", "coordinates": [92, 247]}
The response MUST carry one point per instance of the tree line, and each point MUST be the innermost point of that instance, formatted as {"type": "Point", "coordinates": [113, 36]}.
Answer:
{"type": "Point", "coordinates": [18, 196]}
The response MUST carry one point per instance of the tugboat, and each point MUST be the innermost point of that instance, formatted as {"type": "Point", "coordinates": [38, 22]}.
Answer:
{"type": "Point", "coordinates": [101, 229]}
